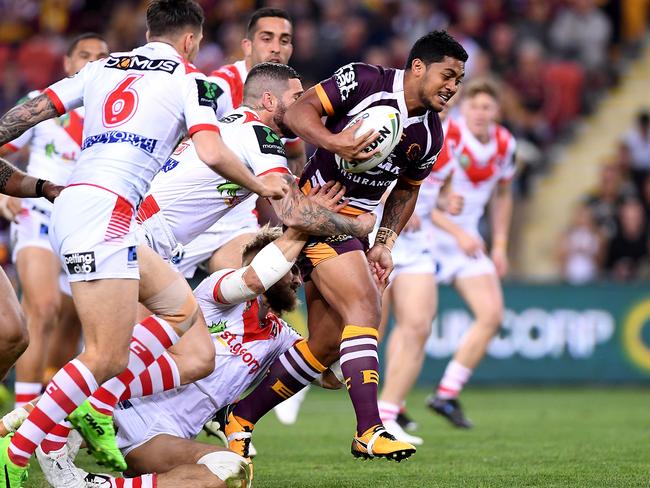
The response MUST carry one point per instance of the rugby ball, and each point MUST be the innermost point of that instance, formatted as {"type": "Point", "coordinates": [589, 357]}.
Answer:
{"type": "Point", "coordinates": [388, 123]}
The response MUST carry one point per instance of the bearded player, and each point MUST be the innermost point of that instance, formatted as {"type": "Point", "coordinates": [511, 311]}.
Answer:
{"type": "Point", "coordinates": [342, 299]}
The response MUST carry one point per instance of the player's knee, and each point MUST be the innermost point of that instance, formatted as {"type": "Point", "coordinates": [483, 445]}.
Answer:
{"type": "Point", "coordinates": [200, 365]}
{"type": "Point", "coordinates": [418, 331]}
{"type": "Point", "coordinates": [365, 310]}
{"type": "Point", "coordinates": [226, 466]}
{"type": "Point", "coordinates": [43, 312]}
{"type": "Point", "coordinates": [175, 304]}
{"type": "Point", "coordinates": [104, 364]}
{"type": "Point", "coordinates": [491, 317]}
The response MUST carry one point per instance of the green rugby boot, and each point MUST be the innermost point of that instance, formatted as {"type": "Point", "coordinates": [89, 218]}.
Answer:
{"type": "Point", "coordinates": [97, 430]}
{"type": "Point", "coordinates": [12, 476]}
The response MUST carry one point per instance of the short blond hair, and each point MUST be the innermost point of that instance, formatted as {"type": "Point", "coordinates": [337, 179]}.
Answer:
{"type": "Point", "coordinates": [477, 86]}
{"type": "Point", "coordinates": [265, 236]}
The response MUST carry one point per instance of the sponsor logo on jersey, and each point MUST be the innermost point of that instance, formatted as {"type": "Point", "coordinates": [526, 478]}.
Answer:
{"type": "Point", "coordinates": [80, 262]}
{"type": "Point", "coordinates": [44, 230]}
{"type": "Point", "coordinates": [230, 118]}
{"type": "Point", "coordinates": [346, 80]}
{"type": "Point", "coordinates": [208, 93]}
{"type": "Point", "coordinates": [145, 143]}
{"type": "Point", "coordinates": [236, 348]}
{"type": "Point", "coordinates": [141, 63]}
{"type": "Point", "coordinates": [269, 141]}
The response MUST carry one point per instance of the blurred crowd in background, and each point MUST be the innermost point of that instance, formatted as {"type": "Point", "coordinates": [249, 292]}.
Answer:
{"type": "Point", "coordinates": [554, 59]}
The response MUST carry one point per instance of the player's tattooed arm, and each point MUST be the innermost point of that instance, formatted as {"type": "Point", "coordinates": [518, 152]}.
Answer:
{"type": "Point", "coordinates": [303, 214]}
{"type": "Point", "coordinates": [26, 115]}
{"type": "Point", "coordinates": [399, 206]}
{"type": "Point", "coordinates": [15, 183]}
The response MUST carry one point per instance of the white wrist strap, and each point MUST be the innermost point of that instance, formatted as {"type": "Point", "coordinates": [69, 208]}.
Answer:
{"type": "Point", "coordinates": [270, 265]}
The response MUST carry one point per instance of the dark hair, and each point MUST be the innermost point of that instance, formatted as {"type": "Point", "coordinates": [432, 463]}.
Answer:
{"type": "Point", "coordinates": [169, 16]}
{"type": "Point", "coordinates": [82, 37]}
{"type": "Point", "coordinates": [434, 46]}
{"type": "Point", "coordinates": [272, 72]}
{"type": "Point", "coordinates": [262, 13]}
{"type": "Point", "coordinates": [644, 118]}
{"type": "Point", "coordinates": [481, 85]}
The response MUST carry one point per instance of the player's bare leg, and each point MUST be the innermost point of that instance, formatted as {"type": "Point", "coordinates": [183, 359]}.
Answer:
{"type": "Point", "coordinates": [13, 335]}
{"type": "Point", "coordinates": [64, 341]}
{"type": "Point", "coordinates": [230, 254]}
{"type": "Point", "coordinates": [484, 297]}
{"type": "Point", "coordinates": [38, 270]}
{"type": "Point", "coordinates": [414, 299]}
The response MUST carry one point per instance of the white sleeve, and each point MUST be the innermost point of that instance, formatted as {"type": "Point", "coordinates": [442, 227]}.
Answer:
{"type": "Point", "coordinates": [208, 289]}
{"type": "Point", "coordinates": [265, 151]}
{"type": "Point", "coordinates": [68, 93]}
{"type": "Point", "coordinates": [200, 104]}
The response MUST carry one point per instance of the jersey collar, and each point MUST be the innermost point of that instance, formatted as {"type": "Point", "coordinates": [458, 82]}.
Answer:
{"type": "Point", "coordinates": [398, 89]}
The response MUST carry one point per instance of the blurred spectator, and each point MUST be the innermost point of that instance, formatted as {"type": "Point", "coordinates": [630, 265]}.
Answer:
{"type": "Point", "coordinates": [581, 32]}
{"type": "Point", "coordinates": [502, 49]}
{"type": "Point", "coordinates": [627, 255]}
{"type": "Point", "coordinates": [535, 22]}
{"type": "Point", "coordinates": [605, 201]}
{"type": "Point", "coordinates": [580, 249]}
{"type": "Point", "coordinates": [637, 142]}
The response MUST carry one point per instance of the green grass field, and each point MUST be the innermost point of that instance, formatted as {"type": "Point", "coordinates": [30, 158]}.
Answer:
{"type": "Point", "coordinates": [523, 438]}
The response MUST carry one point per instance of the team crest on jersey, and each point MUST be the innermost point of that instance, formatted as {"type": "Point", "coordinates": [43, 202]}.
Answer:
{"type": "Point", "coordinates": [141, 63]}
{"type": "Point", "coordinates": [229, 191]}
{"type": "Point", "coordinates": [464, 160]}
{"type": "Point", "coordinates": [346, 80]}
{"type": "Point", "coordinates": [208, 93]}
{"type": "Point", "coordinates": [414, 152]}
{"type": "Point", "coordinates": [218, 327]}
{"type": "Point", "coordinates": [269, 141]}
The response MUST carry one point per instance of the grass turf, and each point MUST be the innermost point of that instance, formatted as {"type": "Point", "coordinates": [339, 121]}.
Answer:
{"type": "Point", "coordinates": [523, 438]}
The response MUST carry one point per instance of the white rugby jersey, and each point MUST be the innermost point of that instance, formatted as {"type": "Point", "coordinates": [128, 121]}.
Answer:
{"type": "Point", "coordinates": [477, 169]}
{"type": "Point", "coordinates": [191, 196]}
{"type": "Point", "coordinates": [138, 106]}
{"type": "Point", "coordinates": [245, 348]}
{"type": "Point", "coordinates": [54, 146]}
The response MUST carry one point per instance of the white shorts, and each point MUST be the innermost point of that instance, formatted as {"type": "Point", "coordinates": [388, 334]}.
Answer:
{"type": "Point", "coordinates": [452, 263]}
{"type": "Point", "coordinates": [235, 223]}
{"type": "Point", "coordinates": [412, 254]}
{"type": "Point", "coordinates": [32, 229]}
{"type": "Point", "coordinates": [181, 412]}
{"type": "Point", "coordinates": [94, 234]}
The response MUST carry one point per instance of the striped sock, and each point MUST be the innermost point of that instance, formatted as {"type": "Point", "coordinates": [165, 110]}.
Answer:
{"type": "Point", "coordinates": [452, 382]}
{"type": "Point", "coordinates": [388, 411]}
{"type": "Point", "coordinates": [57, 437]}
{"type": "Point", "coordinates": [26, 392]}
{"type": "Point", "coordinates": [360, 367]}
{"type": "Point", "coordinates": [144, 481]}
{"type": "Point", "coordinates": [151, 338]}
{"type": "Point", "coordinates": [67, 390]}
{"type": "Point", "coordinates": [162, 375]}
{"type": "Point", "coordinates": [290, 373]}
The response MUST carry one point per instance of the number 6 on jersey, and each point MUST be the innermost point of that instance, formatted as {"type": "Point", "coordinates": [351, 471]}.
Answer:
{"type": "Point", "coordinates": [121, 103]}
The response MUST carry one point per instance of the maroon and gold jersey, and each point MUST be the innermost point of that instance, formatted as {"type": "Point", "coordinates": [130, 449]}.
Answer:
{"type": "Point", "coordinates": [354, 88]}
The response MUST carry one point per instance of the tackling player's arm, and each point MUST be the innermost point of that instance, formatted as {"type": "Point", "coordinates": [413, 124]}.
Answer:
{"type": "Point", "coordinates": [297, 211]}
{"type": "Point", "coordinates": [213, 152]}
{"type": "Point", "coordinates": [15, 183]}
{"type": "Point", "coordinates": [296, 157]}
{"type": "Point", "coordinates": [267, 268]}
{"type": "Point", "coordinates": [26, 115]}
{"type": "Point", "coordinates": [500, 216]}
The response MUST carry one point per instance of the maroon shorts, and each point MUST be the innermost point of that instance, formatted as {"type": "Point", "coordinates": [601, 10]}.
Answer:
{"type": "Point", "coordinates": [319, 249]}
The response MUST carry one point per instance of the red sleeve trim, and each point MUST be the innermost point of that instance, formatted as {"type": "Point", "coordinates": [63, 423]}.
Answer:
{"type": "Point", "coordinates": [60, 108]}
{"type": "Point", "coordinates": [190, 68]}
{"type": "Point", "coordinates": [199, 127]}
{"type": "Point", "coordinates": [215, 290]}
{"type": "Point", "coordinates": [291, 142]}
{"type": "Point", "coordinates": [279, 169]}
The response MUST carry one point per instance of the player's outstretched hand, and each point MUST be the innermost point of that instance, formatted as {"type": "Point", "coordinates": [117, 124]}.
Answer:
{"type": "Point", "coordinates": [471, 245]}
{"type": "Point", "coordinates": [350, 147]}
{"type": "Point", "coordinates": [51, 191]}
{"type": "Point", "coordinates": [275, 185]}
{"type": "Point", "coordinates": [330, 196]}
{"type": "Point", "coordinates": [381, 260]}
{"type": "Point", "coordinates": [9, 207]}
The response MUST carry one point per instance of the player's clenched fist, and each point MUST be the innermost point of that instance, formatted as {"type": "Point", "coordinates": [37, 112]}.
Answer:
{"type": "Point", "coordinates": [273, 185]}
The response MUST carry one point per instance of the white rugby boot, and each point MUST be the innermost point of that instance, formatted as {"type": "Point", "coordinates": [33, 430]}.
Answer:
{"type": "Point", "coordinates": [59, 470]}
{"type": "Point", "coordinates": [400, 434]}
